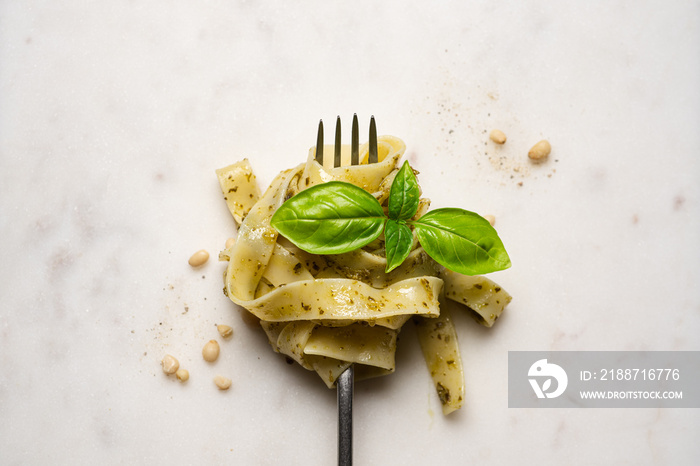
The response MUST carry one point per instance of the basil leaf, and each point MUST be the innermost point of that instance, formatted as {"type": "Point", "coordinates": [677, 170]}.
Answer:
{"type": "Point", "coordinates": [462, 241]}
{"type": "Point", "coordinates": [330, 218]}
{"type": "Point", "coordinates": [404, 194]}
{"type": "Point", "coordinates": [398, 242]}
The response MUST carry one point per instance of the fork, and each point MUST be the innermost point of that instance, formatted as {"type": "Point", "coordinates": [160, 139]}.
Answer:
{"type": "Point", "coordinates": [345, 383]}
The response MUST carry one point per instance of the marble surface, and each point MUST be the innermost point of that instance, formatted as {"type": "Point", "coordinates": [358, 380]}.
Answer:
{"type": "Point", "coordinates": [114, 115]}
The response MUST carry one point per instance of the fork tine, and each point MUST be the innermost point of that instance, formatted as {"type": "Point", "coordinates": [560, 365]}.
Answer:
{"type": "Point", "coordinates": [336, 151]}
{"type": "Point", "coordinates": [373, 155]}
{"type": "Point", "coordinates": [355, 143]}
{"type": "Point", "coordinates": [319, 143]}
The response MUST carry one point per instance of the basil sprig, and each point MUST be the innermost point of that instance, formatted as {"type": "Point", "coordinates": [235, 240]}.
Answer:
{"type": "Point", "coordinates": [338, 217]}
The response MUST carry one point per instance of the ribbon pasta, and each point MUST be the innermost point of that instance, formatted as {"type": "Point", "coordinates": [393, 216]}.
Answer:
{"type": "Point", "coordinates": [328, 312]}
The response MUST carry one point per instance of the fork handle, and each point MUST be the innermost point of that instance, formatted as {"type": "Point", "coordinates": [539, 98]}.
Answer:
{"type": "Point", "coordinates": [345, 395]}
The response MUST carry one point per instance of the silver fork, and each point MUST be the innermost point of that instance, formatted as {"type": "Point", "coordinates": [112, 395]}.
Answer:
{"type": "Point", "coordinates": [345, 382]}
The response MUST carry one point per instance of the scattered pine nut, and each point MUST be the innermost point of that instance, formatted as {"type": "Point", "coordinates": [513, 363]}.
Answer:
{"type": "Point", "coordinates": [498, 136]}
{"type": "Point", "coordinates": [224, 330]}
{"type": "Point", "coordinates": [170, 364]}
{"type": "Point", "coordinates": [540, 151]}
{"type": "Point", "coordinates": [222, 382]}
{"type": "Point", "coordinates": [199, 258]}
{"type": "Point", "coordinates": [491, 219]}
{"type": "Point", "coordinates": [210, 352]}
{"type": "Point", "coordinates": [182, 375]}
{"type": "Point", "coordinates": [230, 242]}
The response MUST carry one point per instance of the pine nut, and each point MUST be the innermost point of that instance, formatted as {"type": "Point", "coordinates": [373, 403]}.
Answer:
{"type": "Point", "coordinates": [491, 219]}
{"type": "Point", "coordinates": [199, 258]}
{"type": "Point", "coordinates": [224, 330]}
{"type": "Point", "coordinates": [230, 242]}
{"type": "Point", "coordinates": [222, 382]}
{"type": "Point", "coordinates": [498, 136]}
{"type": "Point", "coordinates": [170, 364]}
{"type": "Point", "coordinates": [540, 151]}
{"type": "Point", "coordinates": [210, 352]}
{"type": "Point", "coordinates": [182, 375]}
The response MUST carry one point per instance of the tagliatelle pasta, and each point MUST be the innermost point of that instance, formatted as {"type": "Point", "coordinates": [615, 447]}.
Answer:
{"type": "Point", "coordinates": [327, 312]}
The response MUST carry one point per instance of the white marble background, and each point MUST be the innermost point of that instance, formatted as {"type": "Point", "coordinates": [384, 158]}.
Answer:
{"type": "Point", "coordinates": [114, 115]}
